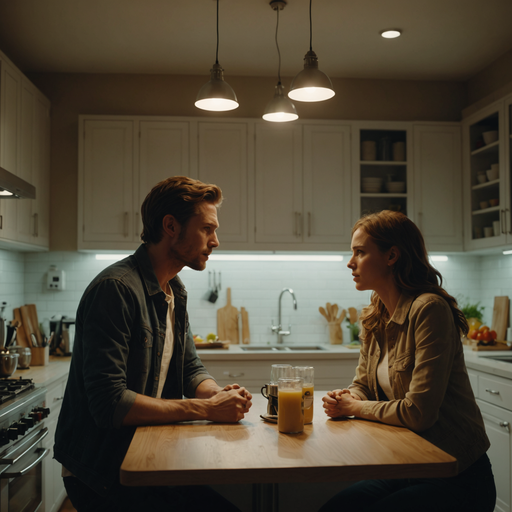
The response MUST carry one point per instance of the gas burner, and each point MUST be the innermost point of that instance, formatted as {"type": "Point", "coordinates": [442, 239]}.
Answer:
{"type": "Point", "coordinates": [10, 388]}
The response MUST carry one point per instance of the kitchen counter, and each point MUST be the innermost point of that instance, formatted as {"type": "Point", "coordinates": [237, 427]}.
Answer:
{"type": "Point", "coordinates": [478, 360]}
{"type": "Point", "coordinates": [236, 352]}
{"type": "Point", "coordinates": [46, 375]}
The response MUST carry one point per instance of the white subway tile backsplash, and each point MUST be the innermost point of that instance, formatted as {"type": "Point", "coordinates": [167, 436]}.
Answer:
{"type": "Point", "coordinates": [255, 285]}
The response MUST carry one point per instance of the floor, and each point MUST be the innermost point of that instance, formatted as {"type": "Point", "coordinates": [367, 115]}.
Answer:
{"type": "Point", "coordinates": [67, 507]}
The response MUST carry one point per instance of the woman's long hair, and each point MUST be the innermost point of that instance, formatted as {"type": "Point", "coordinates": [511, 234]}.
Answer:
{"type": "Point", "coordinates": [412, 271]}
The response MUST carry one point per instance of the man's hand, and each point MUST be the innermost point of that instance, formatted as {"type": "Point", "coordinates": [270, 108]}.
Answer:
{"type": "Point", "coordinates": [229, 405]}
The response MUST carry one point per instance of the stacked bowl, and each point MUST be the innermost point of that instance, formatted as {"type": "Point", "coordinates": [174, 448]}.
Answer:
{"type": "Point", "coordinates": [395, 187]}
{"type": "Point", "coordinates": [371, 185]}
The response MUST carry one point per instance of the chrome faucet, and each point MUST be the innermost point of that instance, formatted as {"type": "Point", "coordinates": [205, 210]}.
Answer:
{"type": "Point", "coordinates": [279, 328]}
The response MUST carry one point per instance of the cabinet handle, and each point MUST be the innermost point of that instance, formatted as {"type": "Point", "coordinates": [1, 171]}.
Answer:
{"type": "Point", "coordinates": [1, 221]}
{"type": "Point", "coordinates": [502, 424]}
{"type": "Point", "coordinates": [492, 391]}
{"type": "Point", "coordinates": [233, 375]}
{"type": "Point", "coordinates": [309, 223]}
{"type": "Point", "coordinates": [510, 231]}
{"type": "Point", "coordinates": [502, 215]}
{"type": "Point", "coordinates": [125, 224]}
{"type": "Point", "coordinates": [299, 232]}
{"type": "Point", "coordinates": [36, 225]}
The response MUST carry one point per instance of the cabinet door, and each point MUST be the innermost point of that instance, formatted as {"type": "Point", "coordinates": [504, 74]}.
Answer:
{"type": "Point", "coordinates": [497, 426]}
{"type": "Point", "coordinates": [278, 169]}
{"type": "Point", "coordinates": [164, 152]}
{"type": "Point", "coordinates": [326, 178]}
{"type": "Point", "coordinates": [223, 161]}
{"type": "Point", "coordinates": [108, 182]}
{"type": "Point", "coordinates": [438, 186]}
{"type": "Point", "coordinates": [10, 132]}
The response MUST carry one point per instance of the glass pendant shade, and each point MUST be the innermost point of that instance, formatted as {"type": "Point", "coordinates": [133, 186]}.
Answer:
{"type": "Point", "coordinates": [311, 84]}
{"type": "Point", "coordinates": [280, 109]}
{"type": "Point", "coordinates": [216, 95]}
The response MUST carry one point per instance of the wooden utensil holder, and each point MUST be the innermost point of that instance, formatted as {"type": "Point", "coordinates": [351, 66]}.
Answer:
{"type": "Point", "coordinates": [40, 356]}
{"type": "Point", "coordinates": [335, 333]}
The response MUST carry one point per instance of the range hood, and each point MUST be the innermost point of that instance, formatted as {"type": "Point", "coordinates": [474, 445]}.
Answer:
{"type": "Point", "coordinates": [13, 187]}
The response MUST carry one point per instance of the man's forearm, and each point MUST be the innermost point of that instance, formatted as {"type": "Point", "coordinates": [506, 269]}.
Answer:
{"type": "Point", "coordinates": [207, 388]}
{"type": "Point", "coordinates": [154, 411]}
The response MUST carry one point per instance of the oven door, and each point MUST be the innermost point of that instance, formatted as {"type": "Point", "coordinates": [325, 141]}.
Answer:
{"type": "Point", "coordinates": [21, 484]}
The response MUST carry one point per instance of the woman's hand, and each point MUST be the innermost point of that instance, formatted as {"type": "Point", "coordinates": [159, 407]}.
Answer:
{"type": "Point", "coordinates": [341, 402]}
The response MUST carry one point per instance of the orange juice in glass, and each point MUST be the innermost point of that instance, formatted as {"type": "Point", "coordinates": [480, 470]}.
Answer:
{"type": "Point", "coordinates": [290, 410]}
{"type": "Point", "coordinates": [306, 373]}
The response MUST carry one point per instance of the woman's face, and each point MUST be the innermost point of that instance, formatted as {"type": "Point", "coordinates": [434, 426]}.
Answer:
{"type": "Point", "coordinates": [371, 268]}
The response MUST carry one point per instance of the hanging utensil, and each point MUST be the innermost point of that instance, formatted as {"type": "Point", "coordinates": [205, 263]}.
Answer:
{"type": "Point", "coordinates": [213, 293]}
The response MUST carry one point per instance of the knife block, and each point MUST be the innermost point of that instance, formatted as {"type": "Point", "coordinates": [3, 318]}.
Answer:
{"type": "Point", "coordinates": [40, 356]}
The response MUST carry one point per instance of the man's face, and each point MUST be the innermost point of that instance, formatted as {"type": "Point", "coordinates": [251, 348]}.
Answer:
{"type": "Point", "coordinates": [198, 238]}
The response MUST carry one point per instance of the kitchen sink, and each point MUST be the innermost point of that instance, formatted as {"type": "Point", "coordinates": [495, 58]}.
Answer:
{"type": "Point", "coordinates": [281, 348]}
{"type": "Point", "coordinates": [505, 358]}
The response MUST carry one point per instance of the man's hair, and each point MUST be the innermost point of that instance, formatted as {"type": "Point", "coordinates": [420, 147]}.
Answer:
{"type": "Point", "coordinates": [178, 196]}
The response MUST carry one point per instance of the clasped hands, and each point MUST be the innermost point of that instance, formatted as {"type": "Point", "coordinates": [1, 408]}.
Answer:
{"type": "Point", "coordinates": [230, 404]}
{"type": "Point", "coordinates": [340, 402]}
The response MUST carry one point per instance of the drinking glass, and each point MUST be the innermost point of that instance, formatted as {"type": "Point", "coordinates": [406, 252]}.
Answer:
{"type": "Point", "coordinates": [280, 371]}
{"type": "Point", "coordinates": [306, 373]}
{"type": "Point", "coordinates": [290, 414]}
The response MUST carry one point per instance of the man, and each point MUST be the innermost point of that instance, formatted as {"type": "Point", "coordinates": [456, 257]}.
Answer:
{"type": "Point", "coordinates": [134, 357]}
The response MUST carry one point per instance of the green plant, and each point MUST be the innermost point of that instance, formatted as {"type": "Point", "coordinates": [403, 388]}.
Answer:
{"type": "Point", "coordinates": [472, 310]}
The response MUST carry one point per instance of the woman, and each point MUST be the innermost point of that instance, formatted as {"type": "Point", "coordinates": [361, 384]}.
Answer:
{"type": "Point", "coordinates": [411, 373]}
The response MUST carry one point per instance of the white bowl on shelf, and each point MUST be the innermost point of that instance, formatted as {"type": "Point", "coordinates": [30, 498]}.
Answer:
{"type": "Point", "coordinates": [490, 137]}
{"type": "Point", "coordinates": [371, 189]}
{"type": "Point", "coordinates": [482, 178]}
{"type": "Point", "coordinates": [492, 174]}
{"type": "Point", "coordinates": [371, 180]}
{"type": "Point", "coordinates": [396, 187]}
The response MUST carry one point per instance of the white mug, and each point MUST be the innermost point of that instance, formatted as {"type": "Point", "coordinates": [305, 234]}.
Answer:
{"type": "Point", "coordinates": [488, 231]}
{"type": "Point", "coordinates": [496, 228]}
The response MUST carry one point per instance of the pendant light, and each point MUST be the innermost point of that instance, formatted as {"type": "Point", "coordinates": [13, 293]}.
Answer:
{"type": "Point", "coordinates": [311, 84]}
{"type": "Point", "coordinates": [280, 109]}
{"type": "Point", "coordinates": [216, 95]}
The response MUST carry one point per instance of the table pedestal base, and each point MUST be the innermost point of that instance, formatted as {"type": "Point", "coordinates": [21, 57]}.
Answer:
{"type": "Point", "coordinates": [265, 498]}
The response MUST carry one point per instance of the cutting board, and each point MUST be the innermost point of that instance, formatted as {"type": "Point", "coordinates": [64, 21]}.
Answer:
{"type": "Point", "coordinates": [246, 334]}
{"type": "Point", "coordinates": [21, 337]}
{"type": "Point", "coordinates": [227, 321]}
{"type": "Point", "coordinates": [500, 317]}
{"type": "Point", "coordinates": [32, 311]}
{"type": "Point", "coordinates": [28, 327]}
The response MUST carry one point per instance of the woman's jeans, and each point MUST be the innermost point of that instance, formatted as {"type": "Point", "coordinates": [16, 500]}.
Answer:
{"type": "Point", "coordinates": [473, 490]}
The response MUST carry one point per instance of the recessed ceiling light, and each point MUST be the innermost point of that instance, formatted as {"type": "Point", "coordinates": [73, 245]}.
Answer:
{"type": "Point", "coordinates": [391, 33]}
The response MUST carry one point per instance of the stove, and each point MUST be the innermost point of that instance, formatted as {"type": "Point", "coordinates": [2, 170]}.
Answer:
{"type": "Point", "coordinates": [22, 430]}
{"type": "Point", "coordinates": [22, 407]}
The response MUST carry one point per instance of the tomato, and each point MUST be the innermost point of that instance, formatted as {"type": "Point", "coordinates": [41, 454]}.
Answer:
{"type": "Point", "coordinates": [472, 334]}
{"type": "Point", "coordinates": [494, 335]}
{"type": "Point", "coordinates": [487, 336]}
{"type": "Point", "coordinates": [480, 335]}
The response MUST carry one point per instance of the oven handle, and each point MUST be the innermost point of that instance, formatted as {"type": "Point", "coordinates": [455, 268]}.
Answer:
{"type": "Point", "coordinates": [42, 452]}
{"type": "Point", "coordinates": [36, 439]}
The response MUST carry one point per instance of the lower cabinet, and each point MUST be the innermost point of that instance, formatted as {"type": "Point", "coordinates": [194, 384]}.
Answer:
{"type": "Point", "coordinates": [494, 397]}
{"type": "Point", "coordinates": [253, 374]}
{"type": "Point", "coordinates": [54, 492]}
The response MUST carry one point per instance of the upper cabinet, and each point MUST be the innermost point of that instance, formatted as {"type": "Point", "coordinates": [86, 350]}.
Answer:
{"type": "Point", "coordinates": [291, 186]}
{"type": "Point", "coordinates": [25, 152]}
{"type": "Point", "coordinates": [437, 185]}
{"type": "Point", "coordinates": [486, 137]}
{"type": "Point", "coordinates": [302, 186]}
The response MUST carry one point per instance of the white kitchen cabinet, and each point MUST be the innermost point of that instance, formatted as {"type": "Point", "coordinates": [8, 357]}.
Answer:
{"type": "Point", "coordinates": [222, 159]}
{"type": "Point", "coordinates": [25, 152]}
{"type": "Point", "coordinates": [330, 373]}
{"type": "Point", "coordinates": [494, 397]}
{"type": "Point", "coordinates": [107, 198]}
{"type": "Point", "coordinates": [54, 492]}
{"type": "Point", "coordinates": [478, 157]}
{"type": "Point", "coordinates": [302, 186]}
{"type": "Point", "coordinates": [33, 214]}
{"type": "Point", "coordinates": [10, 134]}
{"type": "Point", "coordinates": [437, 185]}
{"type": "Point", "coordinates": [375, 155]}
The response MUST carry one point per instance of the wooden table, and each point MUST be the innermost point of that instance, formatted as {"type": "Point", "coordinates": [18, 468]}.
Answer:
{"type": "Point", "coordinates": [253, 451]}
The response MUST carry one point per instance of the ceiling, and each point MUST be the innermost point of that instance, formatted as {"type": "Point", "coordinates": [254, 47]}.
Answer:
{"type": "Point", "coordinates": [442, 39]}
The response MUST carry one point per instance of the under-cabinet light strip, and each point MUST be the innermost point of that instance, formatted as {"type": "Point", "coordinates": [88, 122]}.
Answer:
{"type": "Point", "coordinates": [246, 257]}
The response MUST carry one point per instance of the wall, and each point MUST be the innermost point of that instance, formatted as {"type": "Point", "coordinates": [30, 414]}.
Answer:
{"type": "Point", "coordinates": [255, 286]}
{"type": "Point", "coordinates": [75, 94]}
